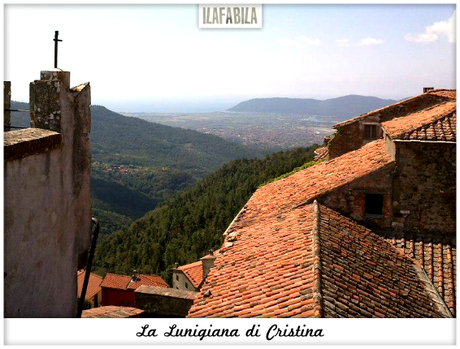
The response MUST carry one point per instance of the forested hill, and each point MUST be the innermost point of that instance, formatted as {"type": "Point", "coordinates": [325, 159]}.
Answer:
{"type": "Point", "coordinates": [343, 107]}
{"type": "Point", "coordinates": [137, 164]}
{"type": "Point", "coordinates": [188, 224]}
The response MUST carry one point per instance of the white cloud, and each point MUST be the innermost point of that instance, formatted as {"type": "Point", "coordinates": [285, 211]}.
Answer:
{"type": "Point", "coordinates": [342, 42]}
{"type": "Point", "coordinates": [370, 41]}
{"type": "Point", "coordinates": [434, 31]}
{"type": "Point", "coordinates": [287, 42]}
{"type": "Point", "coordinates": [421, 38]}
{"type": "Point", "coordinates": [310, 42]}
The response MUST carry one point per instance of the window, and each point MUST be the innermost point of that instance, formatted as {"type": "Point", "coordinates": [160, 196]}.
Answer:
{"type": "Point", "coordinates": [373, 205]}
{"type": "Point", "coordinates": [177, 277]}
{"type": "Point", "coordinates": [186, 285]}
{"type": "Point", "coordinates": [370, 132]}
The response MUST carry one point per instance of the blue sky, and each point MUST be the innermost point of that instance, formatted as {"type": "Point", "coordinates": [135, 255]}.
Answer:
{"type": "Point", "coordinates": [154, 57]}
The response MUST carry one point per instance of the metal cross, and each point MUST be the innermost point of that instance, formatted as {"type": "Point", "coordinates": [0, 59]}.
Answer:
{"type": "Point", "coordinates": [56, 40]}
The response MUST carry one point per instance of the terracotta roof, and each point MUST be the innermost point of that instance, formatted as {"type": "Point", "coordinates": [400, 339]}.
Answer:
{"type": "Point", "coordinates": [111, 311]}
{"type": "Point", "coordinates": [313, 262]}
{"type": "Point", "coordinates": [267, 272]}
{"type": "Point", "coordinates": [435, 123]}
{"type": "Point", "coordinates": [94, 284]}
{"type": "Point", "coordinates": [303, 186]}
{"type": "Point", "coordinates": [451, 94]}
{"type": "Point", "coordinates": [148, 280]}
{"type": "Point", "coordinates": [444, 95]}
{"type": "Point", "coordinates": [193, 272]}
{"type": "Point", "coordinates": [362, 275]}
{"type": "Point", "coordinates": [116, 281]}
{"type": "Point", "coordinates": [437, 256]}
{"type": "Point", "coordinates": [321, 153]}
{"type": "Point", "coordinates": [123, 282]}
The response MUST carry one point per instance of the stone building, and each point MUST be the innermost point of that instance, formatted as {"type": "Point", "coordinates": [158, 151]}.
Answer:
{"type": "Point", "coordinates": [47, 227]}
{"type": "Point", "coordinates": [369, 233]}
{"type": "Point", "coordinates": [354, 133]}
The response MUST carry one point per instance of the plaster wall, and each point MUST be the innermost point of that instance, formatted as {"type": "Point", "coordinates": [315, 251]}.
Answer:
{"type": "Point", "coordinates": [48, 206]}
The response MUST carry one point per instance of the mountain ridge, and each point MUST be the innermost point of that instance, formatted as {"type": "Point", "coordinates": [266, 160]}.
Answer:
{"type": "Point", "coordinates": [343, 107]}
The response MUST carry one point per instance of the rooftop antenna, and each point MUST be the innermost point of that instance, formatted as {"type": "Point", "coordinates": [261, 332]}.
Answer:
{"type": "Point", "coordinates": [56, 40]}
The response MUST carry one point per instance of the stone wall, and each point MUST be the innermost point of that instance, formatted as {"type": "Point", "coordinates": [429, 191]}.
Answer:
{"type": "Point", "coordinates": [352, 136]}
{"type": "Point", "coordinates": [47, 201]}
{"type": "Point", "coordinates": [160, 301]}
{"type": "Point", "coordinates": [424, 191]}
{"type": "Point", "coordinates": [419, 191]}
{"type": "Point", "coordinates": [349, 200]}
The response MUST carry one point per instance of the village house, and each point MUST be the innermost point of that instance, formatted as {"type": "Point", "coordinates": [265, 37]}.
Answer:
{"type": "Point", "coordinates": [93, 290]}
{"type": "Point", "coordinates": [369, 233]}
{"type": "Point", "coordinates": [119, 290]}
{"type": "Point", "coordinates": [352, 134]}
{"type": "Point", "coordinates": [190, 277]}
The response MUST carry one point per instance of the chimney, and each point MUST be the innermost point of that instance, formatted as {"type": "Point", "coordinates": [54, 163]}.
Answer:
{"type": "Point", "coordinates": [427, 89]}
{"type": "Point", "coordinates": [135, 276]}
{"type": "Point", "coordinates": [176, 265]}
{"type": "Point", "coordinates": [208, 263]}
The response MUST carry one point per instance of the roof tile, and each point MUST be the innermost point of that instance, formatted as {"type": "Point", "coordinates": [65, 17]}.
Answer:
{"type": "Point", "coordinates": [433, 124]}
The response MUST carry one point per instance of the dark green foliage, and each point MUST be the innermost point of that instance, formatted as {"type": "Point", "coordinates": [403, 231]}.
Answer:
{"type": "Point", "coordinates": [188, 224]}
{"type": "Point", "coordinates": [157, 161]}
{"type": "Point", "coordinates": [86, 303]}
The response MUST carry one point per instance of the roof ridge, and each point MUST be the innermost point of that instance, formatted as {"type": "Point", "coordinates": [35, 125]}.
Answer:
{"type": "Point", "coordinates": [317, 269]}
{"type": "Point", "coordinates": [398, 103]}
{"type": "Point", "coordinates": [433, 118]}
{"type": "Point", "coordinates": [429, 287]}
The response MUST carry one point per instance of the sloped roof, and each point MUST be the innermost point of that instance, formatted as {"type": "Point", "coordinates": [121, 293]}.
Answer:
{"type": "Point", "coordinates": [321, 153]}
{"type": "Point", "coordinates": [303, 186]}
{"type": "Point", "coordinates": [443, 94]}
{"type": "Point", "coordinates": [94, 284]}
{"type": "Point", "coordinates": [148, 280]}
{"type": "Point", "coordinates": [267, 272]}
{"type": "Point", "coordinates": [116, 281]}
{"type": "Point", "coordinates": [313, 262]}
{"type": "Point", "coordinates": [436, 255]}
{"type": "Point", "coordinates": [362, 275]}
{"type": "Point", "coordinates": [124, 282]}
{"type": "Point", "coordinates": [437, 123]}
{"type": "Point", "coordinates": [451, 94]}
{"type": "Point", "coordinates": [193, 272]}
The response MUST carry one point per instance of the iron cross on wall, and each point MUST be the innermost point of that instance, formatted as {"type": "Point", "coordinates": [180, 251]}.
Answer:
{"type": "Point", "coordinates": [56, 40]}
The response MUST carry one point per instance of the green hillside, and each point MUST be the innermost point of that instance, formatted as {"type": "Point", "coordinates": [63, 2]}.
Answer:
{"type": "Point", "coordinates": [137, 164]}
{"type": "Point", "coordinates": [188, 224]}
